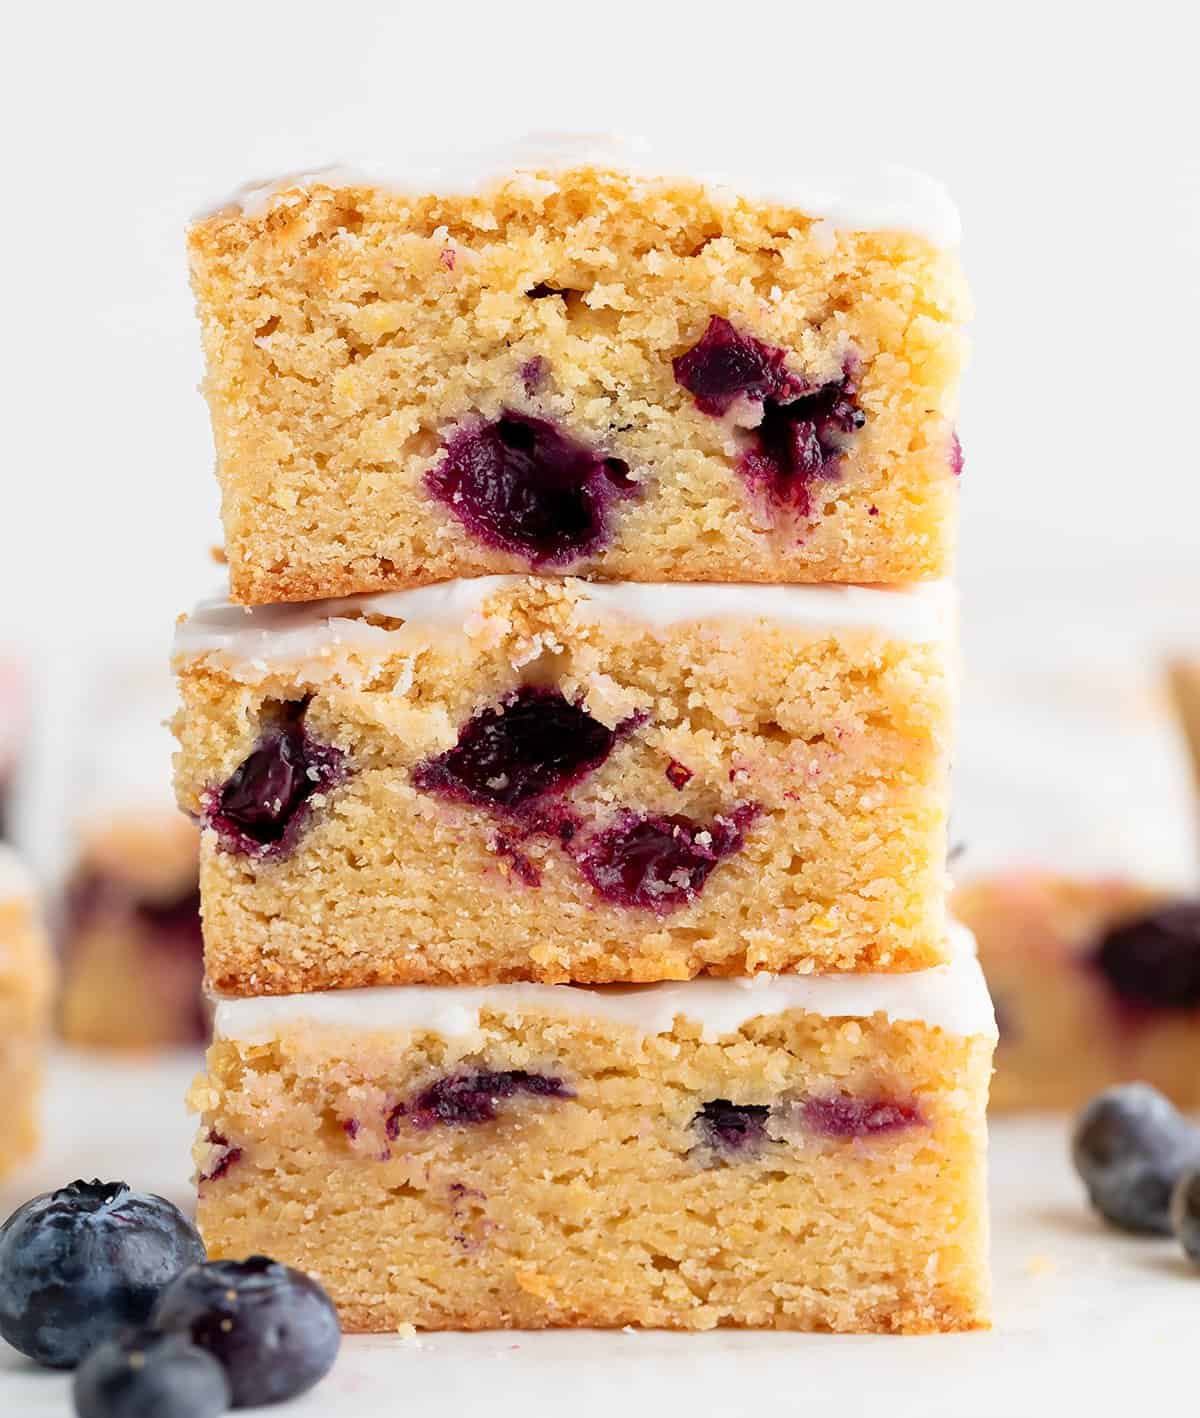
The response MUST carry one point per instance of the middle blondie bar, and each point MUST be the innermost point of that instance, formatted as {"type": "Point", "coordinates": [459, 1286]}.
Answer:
{"type": "Point", "coordinates": [520, 779]}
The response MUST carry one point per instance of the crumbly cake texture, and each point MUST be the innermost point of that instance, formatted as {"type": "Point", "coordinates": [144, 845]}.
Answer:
{"type": "Point", "coordinates": [1076, 1016]}
{"type": "Point", "coordinates": [375, 361]}
{"type": "Point", "coordinates": [800, 1172]}
{"type": "Point", "coordinates": [26, 983]}
{"type": "Point", "coordinates": [547, 793]}
{"type": "Point", "coordinates": [131, 945]}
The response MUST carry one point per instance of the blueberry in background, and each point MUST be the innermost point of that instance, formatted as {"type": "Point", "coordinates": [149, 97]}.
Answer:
{"type": "Point", "coordinates": [1130, 1146]}
{"type": "Point", "coordinates": [81, 1264]}
{"type": "Point", "coordinates": [1185, 1214]}
{"type": "Point", "coordinates": [145, 1374]}
{"type": "Point", "coordinates": [274, 1329]}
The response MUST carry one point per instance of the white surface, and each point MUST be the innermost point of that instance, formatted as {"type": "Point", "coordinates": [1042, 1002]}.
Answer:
{"type": "Point", "coordinates": [860, 200]}
{"type": "Point", "coordinates": [249, 639]}
{"type": "Point", "coordinates": [1087, 1321]}
{"type": "Point", "coordinates": [952, 997]}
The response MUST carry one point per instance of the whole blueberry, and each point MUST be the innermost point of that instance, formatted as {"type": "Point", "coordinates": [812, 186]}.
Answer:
{"type": "Point", "coordinates": [1185, 1213]}
{"type": "Point", "coordinates": [146, 1374]}
{"type": "Point", "coordinates": [274, 1329]}
{"type": "Point", "coordinates": [1130, 1147]}
{"type": "Point", "coordinates": [80, 1264]}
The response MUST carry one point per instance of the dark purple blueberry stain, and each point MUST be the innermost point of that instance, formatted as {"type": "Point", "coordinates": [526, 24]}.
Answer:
{"type": "Point", "coordinates": [461, 1099]}
{"type": "Point", "coordinates": [858, 1117]}
{"type": "Point", "coordinates": [228, 1159]}
{"type": "Point", "coordinates": [677, 775]}
{"type": "Point", "coordinates": [351, 1127]}
{"type": "Point", "coordinates": [725, 366]}
{"type": "Point", "coordinates": [534, 745]}
{"type": "Point", "coordinates": [804, 428]}
{"type": "Point", "coordinates": [466, 1209]}
{"type": "Point", "coordinates": [1153, 961]}
{"type": "Point", "coordinates": [802, 441]}
{"type": "Point", "coordinates": [872, 511]}
{"type": "Point", "coordinates": [956, 456]}
{"type": "Point", "coordinates": [507, 846]}
{"type": "Point", "coordinates": [533, 375]}
{"type": "Point", "coordinates": [520, 484]}
{"type": "Point", "coordinates": [391, 1125]}
{"type": "Point", "coordinates": [447, 257]}
{"type": "Point", "coordinates": [261, 810]}
{"type": "Point", "coordinates": [659, 863]}
{"type": "Point", "coordinates": [732, 1127]}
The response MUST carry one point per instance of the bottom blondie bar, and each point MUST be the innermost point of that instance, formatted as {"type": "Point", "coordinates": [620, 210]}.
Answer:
{"type": "Point", "coordinates": [791, 1152]}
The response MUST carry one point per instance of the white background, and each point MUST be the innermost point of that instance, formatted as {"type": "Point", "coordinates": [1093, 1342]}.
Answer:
{"type": "Point", "coordinates": [1067, 132]}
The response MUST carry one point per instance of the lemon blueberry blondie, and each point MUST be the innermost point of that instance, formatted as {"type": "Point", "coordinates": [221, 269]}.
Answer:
{"type": "Point", "coordinates": [26, 981]}
{"type": "Point", "coordinates": [792, 1152]}
{"type": "Point", "coordinates": [566, 359]}
{"type": "Point", "coordinates": [1096, 982]}
{"type": "Point", "coordinates": [132, 952]}
{"type": "Point", "coordinates": [524, 778]}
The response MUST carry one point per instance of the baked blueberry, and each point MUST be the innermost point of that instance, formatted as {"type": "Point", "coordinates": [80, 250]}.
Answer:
{"type": "Point", "coordinates": [800, 441]}
{"type": "Point", "coordinates": [1153, 961]}
{"type": "Point", "coordinates": [803, 428]}
{"type": "Point", "coordinates": [1130, 1147]}
{"type": "Point", "coordinates": [472, 1097]}
{"type": "Point", "coordinates": [81, 1264]}
{"type": "Point", "coordinates": [859, 1117]}
{"type": "Point", "coordinates": [732, 1127]}
{"type": "Point", "coordinates": [659, 862]}
{"type": "Point", "coordinates": [260, 810]}
{"type": "Point", "coordinates": [273, 1329]}
{"type": "Point", "coordinates": [535, 744]}
{"type": "Point", "coordinates": [521, 484]}
{"type": "Point", "coordinates": [146, 1374]}
{"type": "Point", "coordinates": [1185, 1213]}
{"type": "Point", "coordinates": [724, 365]}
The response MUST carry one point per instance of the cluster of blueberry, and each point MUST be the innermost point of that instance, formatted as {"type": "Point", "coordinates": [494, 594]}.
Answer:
{"type": "Point", "coordinates": [521, 484]}
{"type": "Point", "coordinates": [1139, 1158]}
{"type": "Point", "coordinates": [114, 1284]}
{"type": "Point", "coordinates": [514, 760]}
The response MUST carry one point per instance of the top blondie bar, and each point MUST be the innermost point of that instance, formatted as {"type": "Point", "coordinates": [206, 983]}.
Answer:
{"type": "Point", "coordinates": [558, 359]}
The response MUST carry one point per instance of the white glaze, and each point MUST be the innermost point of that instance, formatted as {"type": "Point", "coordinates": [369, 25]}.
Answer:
{"type": "Point", "coordinates": [248, 641]}
{"type": "Point", "coordinates": [891, 198]}
{"type": "Point", "coordinates": [953, 998]}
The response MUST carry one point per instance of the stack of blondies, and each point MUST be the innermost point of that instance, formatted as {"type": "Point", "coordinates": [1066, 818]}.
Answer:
{"type": "Point", "coordinates": [571, 754]}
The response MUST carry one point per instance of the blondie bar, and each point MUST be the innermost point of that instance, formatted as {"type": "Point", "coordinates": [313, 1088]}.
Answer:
{"type": "Point", "coordinates": [1096, 982]}
{"type": "Point", "coordinates": [524, 778]}
{"type": "Point", "coordinates": [793, 1152]}
{"type": "Point", "coordinates": [130, 932]}
{"type": "Point", "coordinates": [567, 359]}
